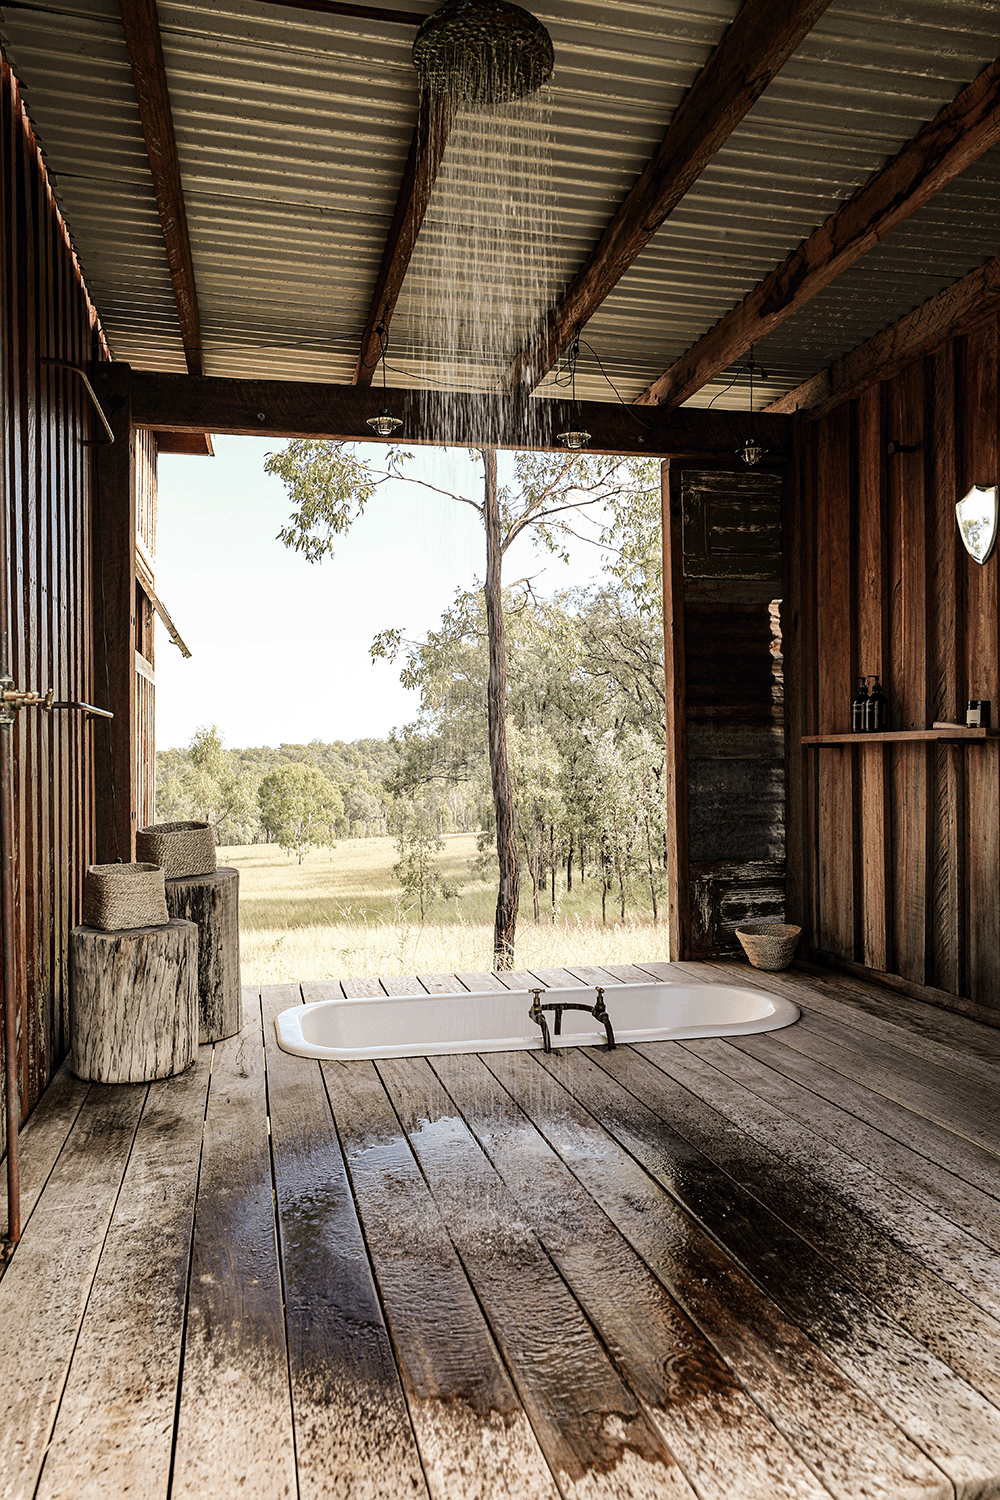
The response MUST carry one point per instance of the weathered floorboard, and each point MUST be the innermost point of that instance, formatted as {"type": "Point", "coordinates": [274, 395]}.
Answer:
{"type": "Point", "coordinates": [947, 1417]}
{"type": "Point", "coordinates": [352, 1431]}
{"type": "Point", "coordinates": [44, 1136]}
{"type": "Point", "coordinates": [115, 1430]}
{"type": "Point", "coordinates": [838, 1431]}
{"type": "Point", "coordinates": [726, 1446]}
{"type": "Point", "coordinates": [44, 1292]}
{"type": "Point", "coordinates": [747, 1268]}
{"type": "Point", "coordinates": [235, 1325]}
{"type": "Point", "coordinates": [961, 1333]}
{"type": "Point", "coordinates": [836, 1184]}
{"type": "Point", "coordinates": [594, 1435]}
{"type": "Point", "coordinates": [474, 1438]}
{"type": "Point", "coordinates": [770, 1073]}
{"type": "Point", "coordinates": [973, 1164]}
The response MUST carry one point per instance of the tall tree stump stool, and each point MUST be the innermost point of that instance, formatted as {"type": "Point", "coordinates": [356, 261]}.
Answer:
{"type": "Point", "coordinates": [213, 902]}
{"type": "Point", "coordinates": [134, 1010]}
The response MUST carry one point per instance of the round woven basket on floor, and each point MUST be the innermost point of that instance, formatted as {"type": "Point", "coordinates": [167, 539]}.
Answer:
{"type": "Point", "coordinates": [770, 945]}
{"type": "Point", "coordinates": [178, 848]}
{"type": "Point", "coordinates": [119, 896]}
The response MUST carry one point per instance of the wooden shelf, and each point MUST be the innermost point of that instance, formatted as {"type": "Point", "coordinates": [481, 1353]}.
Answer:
{"type": "Point", "coordinates": [892, 736]}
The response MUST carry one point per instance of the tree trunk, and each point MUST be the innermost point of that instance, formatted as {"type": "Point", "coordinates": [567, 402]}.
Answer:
{"type": "Point", "coordinates": [508, 891]}
{"type": "Point", "coordinates": [212, 902]}
{"type": "Point", "coordinates": [552, 865]}
{"type": "Point", "coordinates": [569, 864]}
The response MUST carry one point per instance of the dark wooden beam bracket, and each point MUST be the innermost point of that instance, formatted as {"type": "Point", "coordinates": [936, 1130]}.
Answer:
{"type": "Point", "coordinates": [957, 136]}
{"type": "Point", "coordinates": [955, 311]}
{"type": "Point", "coordinates": [145, 50]}
{"type": "Point", "coordinates": [287, 408]}
{"type": "Point", "coordinates": [755, 48]}
{"type": "Point", "coordinates": [422, 166]}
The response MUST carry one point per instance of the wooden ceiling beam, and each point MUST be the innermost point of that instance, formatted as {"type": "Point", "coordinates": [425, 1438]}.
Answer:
{"type": "Point", "coordinates": [426, 150]}
{"type": "Point", "coordinates": [301, 409]}
{"type": "Point", "coordinates": [937, 154]}
{"type": "Point", "coordinates": [757, 44]}
{"type": "Point", "coordinates": [956, 310]}
{"type": "Point", "coordinates": [145, 50]}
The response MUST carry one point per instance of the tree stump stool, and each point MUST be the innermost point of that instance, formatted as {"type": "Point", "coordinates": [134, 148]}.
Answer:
{"type": "Point", "coordinates": [134, 1011]}
{"type": "Point", "coordinates": [212, 901]}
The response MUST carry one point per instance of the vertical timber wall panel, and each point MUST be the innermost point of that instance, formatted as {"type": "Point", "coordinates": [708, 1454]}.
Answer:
{"type": "Point", "coordinates": [898, 848]}
{"type": "Point", "coordinates": [144, 749]}
{"type": "Point", "coordinates": [734, 695]}
{"type": "Point", "coordinates": [46, 637]}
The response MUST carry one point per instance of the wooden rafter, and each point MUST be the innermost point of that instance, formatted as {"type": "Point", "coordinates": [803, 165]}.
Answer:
{"type": "Point", "coordinates": [304, 409]}
{"type": "Point", "coordinates": [423, 163]}
{"type": "Point", "coordinates": [937, 154]}
{"type": "Point", "coordinates": [756, 46]}
{"type": "Point", "coordinates": [955, 311]}
{"type": "Point", "coordinates": [145, 50]}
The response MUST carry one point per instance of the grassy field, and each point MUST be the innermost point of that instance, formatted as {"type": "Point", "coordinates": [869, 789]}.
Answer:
{"type": "Point", "coordinates": [341, 915]}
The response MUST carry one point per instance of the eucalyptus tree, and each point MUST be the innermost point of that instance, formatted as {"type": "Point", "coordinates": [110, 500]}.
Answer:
{"type": "Point", "coordinates": [300, 807]}
{"type": "Point", "coordinates": [330, 485]}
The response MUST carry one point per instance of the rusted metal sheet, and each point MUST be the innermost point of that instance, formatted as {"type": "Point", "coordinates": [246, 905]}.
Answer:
{"type": "Point", "coordinates": [293, 128]}
{"type": "Point", "coordinates": [46, 635]}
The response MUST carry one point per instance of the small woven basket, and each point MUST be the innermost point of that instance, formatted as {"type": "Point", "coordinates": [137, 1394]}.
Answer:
{"type": "Point", "coordinates": [178, 848]}
{"type": "Point", "coordinates": [119, 896]}
{"type": "Point", "coordinates": [770, 945]}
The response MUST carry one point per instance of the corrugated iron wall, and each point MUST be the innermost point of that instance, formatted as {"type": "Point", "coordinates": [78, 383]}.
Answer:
{"type": "Point", "coordinates": [46, 499]}
{"type": "Point", "coordinates": [897, 863]}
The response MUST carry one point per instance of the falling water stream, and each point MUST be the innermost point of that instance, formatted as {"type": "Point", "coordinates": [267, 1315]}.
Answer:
{"type": "Point", "coordinates": [483, 272]}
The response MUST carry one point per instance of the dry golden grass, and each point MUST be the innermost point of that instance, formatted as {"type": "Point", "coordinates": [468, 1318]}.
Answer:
{"type": "Point", "coordinates": [340, 915]}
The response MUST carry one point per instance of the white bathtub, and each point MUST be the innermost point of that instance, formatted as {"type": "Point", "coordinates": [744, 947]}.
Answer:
{"type": "Point", "coordinates": [498, 1021]}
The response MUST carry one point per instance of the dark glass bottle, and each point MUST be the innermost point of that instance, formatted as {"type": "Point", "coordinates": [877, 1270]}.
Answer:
{"type": "Point", "coordinates": [858, 707]}
{"type": "Point", "coordinates": [876, 710]}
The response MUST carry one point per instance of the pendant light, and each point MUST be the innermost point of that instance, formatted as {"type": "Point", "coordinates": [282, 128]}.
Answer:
{"type": "Point", "coordinates": [574, 438]}
{"type": "Point", "coordinates": [384, 424]}
{"type": "Point", "coordinates": [752, 451]}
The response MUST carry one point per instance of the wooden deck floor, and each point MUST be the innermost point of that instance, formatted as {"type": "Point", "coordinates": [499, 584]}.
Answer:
{"type": "Point", "coordinates": [766, 1267]}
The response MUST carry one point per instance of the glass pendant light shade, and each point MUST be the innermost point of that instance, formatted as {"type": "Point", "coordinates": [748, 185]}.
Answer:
{"type": "Point", "coordinates": [575, 438]}
{"type": "Point", "coordinates": [384, 424]}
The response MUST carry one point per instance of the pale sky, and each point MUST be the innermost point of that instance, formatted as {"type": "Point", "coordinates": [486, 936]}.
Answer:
{"type": "Point", "coordinates": [280, 645]}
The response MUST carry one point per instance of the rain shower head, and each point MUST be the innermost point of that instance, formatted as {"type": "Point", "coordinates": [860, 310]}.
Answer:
{"type": "Point", "coordinates": [483, 52]}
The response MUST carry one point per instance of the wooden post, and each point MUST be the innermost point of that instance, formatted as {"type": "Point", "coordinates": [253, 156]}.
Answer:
{"type": "Point", "coordinates": [678, 879]}
{"type": "Point", "coordinates": [114, 618]}
{"type": "Point", "coordinates": [212, 902]}
{"type": "Point", "coordinates": [135, 1002]}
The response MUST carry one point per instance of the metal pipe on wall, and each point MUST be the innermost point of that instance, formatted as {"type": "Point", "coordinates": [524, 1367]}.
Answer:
{"type": "Point", "coordinates": [11, 1090]}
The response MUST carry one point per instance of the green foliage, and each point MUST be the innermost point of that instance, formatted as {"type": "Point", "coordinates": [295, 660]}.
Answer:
{"type": "Point", "coordinates": [299, 808]}
{"type": "Point", "coordinates": [206, 785]}
{"type": "Point", "coordinates": [417, 870]}
{"type": "Point", "coordinates": [358, 770]}
{"type": "Point", "coordinates": [329, 487]}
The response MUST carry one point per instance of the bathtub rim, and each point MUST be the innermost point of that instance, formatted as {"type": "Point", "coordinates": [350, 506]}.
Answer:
{"type": "Point", "coordinates": [291, 1040]}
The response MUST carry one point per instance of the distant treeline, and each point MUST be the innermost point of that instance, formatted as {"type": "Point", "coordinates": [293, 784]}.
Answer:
{"type": "Point", "coordinates": [207, 782]}
{"type": "Point", "coordinates": [586, 737]}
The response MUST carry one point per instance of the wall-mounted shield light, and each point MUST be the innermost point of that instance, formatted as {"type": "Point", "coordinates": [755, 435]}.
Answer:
{"type": "Point", "coordinates": [977, 521]}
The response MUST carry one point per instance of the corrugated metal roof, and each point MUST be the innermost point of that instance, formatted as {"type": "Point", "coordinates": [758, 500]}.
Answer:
{"type": "Point", "coordinates": [293, 130]}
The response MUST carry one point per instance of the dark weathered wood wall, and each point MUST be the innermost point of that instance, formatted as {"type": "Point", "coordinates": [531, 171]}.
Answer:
{"type": "Point", "coordinates": [46, 636]}
{"type": "Point", "coordinates": [723, 576]}
{"type": "Point", "coordinates": [895, 862]}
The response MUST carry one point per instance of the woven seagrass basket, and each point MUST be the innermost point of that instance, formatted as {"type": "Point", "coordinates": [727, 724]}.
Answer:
{"type": "Point", "coordinates": [770, 945]}
{"type": "Point", "coordinates": [119, 896]}
{"type": "Point", "coordinates": [178, 848]}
